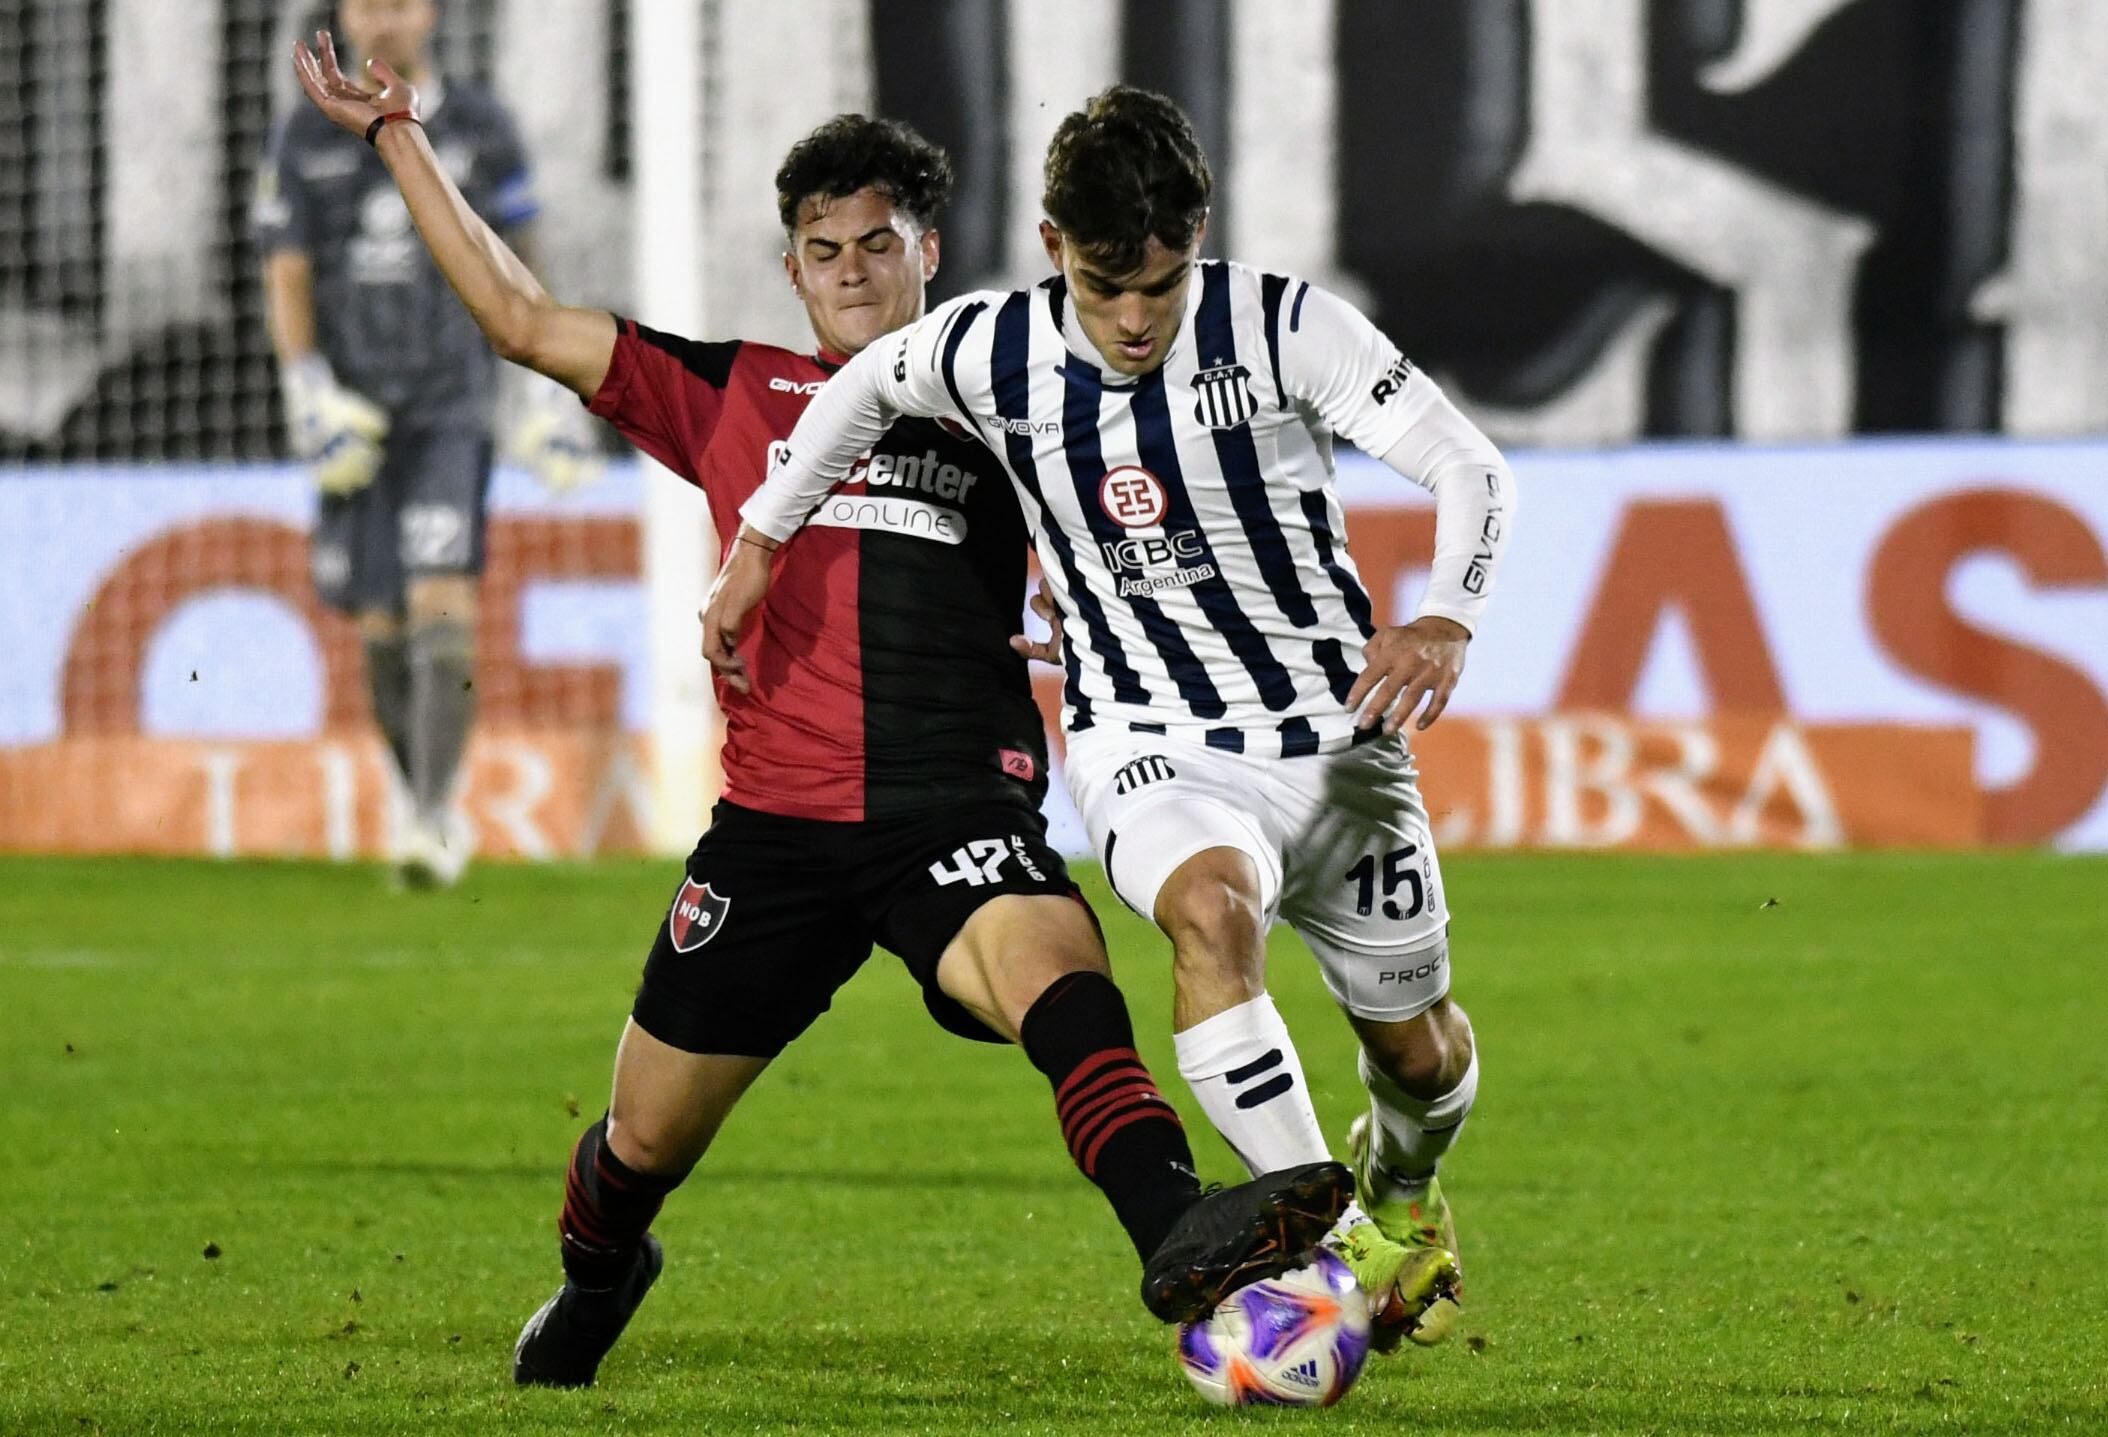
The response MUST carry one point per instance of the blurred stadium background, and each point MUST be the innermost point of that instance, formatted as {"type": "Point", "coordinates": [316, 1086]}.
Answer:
{"type": "Point", "coordinates": [1794, 314]}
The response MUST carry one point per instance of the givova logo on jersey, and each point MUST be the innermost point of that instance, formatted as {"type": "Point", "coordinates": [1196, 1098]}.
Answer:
{"type": "Point", "coordinates": [1149, 559]}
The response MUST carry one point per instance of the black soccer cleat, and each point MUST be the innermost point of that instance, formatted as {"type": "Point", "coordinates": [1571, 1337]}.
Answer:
{"type": "Point", "coordinates": [562, 1344]}
{"type": "Point", "coordinates": [1236, 1236]}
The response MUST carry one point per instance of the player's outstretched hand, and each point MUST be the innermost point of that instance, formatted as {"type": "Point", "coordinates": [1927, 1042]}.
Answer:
{"type": "Point", "coordinates": [742, 581]}
{"type": "Point", "coordinates": [352, 104]}
{"type": "Point", "coordinates": [1420, 660]}
{"type": "Point", "coordinates": [1047, 650]}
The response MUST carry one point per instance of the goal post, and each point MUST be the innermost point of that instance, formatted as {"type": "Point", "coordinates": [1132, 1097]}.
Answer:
{"type": "Point", "coordinates": [711, 118]}
{"type": "Point", "coordinates": [667, 265]}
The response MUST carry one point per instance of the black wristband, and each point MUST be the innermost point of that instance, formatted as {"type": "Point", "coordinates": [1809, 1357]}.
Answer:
{"type": "Point", "coordinates": [373, 131]}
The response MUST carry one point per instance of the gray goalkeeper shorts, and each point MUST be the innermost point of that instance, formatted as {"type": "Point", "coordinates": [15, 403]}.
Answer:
{"type": "Point", "coordinates": [423, 514]}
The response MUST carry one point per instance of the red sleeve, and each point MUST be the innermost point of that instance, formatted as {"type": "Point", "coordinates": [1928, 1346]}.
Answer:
{"type": "Point", "coordinates": [665, 393]}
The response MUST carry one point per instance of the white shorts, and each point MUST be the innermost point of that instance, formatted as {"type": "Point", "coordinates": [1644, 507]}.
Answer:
{"type": "Point", "coordinates": [1341, 842]}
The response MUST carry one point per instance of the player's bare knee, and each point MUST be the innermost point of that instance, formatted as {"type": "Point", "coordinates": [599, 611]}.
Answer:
{"type": "Point", "coordinates": [1221, 935]}
{"type": "Point", "coordinates": [1425, 1056]}
{"type": "Point", "coordinates": [1211, 910]}
{"type": "Point", "coordinates": [443, 598]}
{"type": "Point", "coordinates": [1012, 950]}
{"type": "Point", "coordinates": [663, 1144]}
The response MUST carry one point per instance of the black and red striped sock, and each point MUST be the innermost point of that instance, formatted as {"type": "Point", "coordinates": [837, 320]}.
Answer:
{"type": "Point", "coordinates": [1120, 1131]}
{"type": "Point", "coordinates": [608, 1207]}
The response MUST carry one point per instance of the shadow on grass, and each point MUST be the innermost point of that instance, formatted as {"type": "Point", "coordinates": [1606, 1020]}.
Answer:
{"type": "Point", "coordinates": [709, 1174]}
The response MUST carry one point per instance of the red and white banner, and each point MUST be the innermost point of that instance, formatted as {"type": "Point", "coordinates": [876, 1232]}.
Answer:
{"type": "Point", "coordinates": [1880, 644]}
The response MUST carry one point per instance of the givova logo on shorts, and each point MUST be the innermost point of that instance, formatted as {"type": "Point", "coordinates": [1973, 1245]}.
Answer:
{"type": "Point", "coordinates": [697, 914]}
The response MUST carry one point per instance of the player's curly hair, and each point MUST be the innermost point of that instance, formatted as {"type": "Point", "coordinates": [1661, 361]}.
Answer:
{"type": "Point", "coordinates": [1124, 167]}
{"type": "Point", "coordinates": [850, 152]}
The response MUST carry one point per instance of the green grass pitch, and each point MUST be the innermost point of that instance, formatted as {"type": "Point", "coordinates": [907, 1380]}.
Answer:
{"type": "Point", "coordinates": [1765, 1144]}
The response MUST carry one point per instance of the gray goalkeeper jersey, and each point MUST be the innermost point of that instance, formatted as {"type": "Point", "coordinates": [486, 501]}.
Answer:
{"type": "Point", "coordinates": [384, 316]}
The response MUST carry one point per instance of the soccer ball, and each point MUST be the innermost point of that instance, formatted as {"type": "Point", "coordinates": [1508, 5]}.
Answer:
{"type": "Point", "coordinates": [1297, 1340]}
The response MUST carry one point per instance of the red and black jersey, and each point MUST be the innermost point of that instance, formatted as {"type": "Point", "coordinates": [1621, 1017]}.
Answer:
{"type": "Point", "coordinates": [883, 680]}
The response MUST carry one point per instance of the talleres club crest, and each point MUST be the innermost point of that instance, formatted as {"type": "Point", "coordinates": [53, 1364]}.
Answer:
{"type": "Point", "coordinates": [697, 915]}
{"type": "Point", "coordinates": [1224, 397]}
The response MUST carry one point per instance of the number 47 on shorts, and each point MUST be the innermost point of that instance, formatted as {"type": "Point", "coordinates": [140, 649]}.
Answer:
{"type": "Point", "coordinates": [974, 864]}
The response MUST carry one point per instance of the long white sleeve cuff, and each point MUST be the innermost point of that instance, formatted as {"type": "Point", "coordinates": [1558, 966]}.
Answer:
{"type": "Point", "coordinates": [1475, 504]}
{"type": "Point", "coordinates": [847, 417]}
{"type": "Point", "coordinates": [779, 511]}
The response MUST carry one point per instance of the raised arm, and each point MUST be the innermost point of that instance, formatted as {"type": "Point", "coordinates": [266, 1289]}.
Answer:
{"type": "Point", "coordinates": [571, 346]}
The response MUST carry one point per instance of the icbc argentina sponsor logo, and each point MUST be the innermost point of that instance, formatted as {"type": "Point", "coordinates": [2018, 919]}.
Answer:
{"type": "Point", "coordinates": [697, 914]}
{"type": "Point", "coordinates": [1149, 563]}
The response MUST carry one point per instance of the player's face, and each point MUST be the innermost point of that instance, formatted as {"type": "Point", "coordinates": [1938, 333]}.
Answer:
{"type": "Point", "coordinates": [1128, 318]}
{"type": "Point", "coordinates": [861, 267]}
{"type": "Point", "coordinates": [392, 31]}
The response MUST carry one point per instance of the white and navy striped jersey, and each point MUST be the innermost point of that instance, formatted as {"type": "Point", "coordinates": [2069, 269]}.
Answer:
{"type": "Point", "coordinates": [1186, 519]}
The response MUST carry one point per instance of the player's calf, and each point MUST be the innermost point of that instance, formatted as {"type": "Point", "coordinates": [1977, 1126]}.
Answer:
{"type": "Point", "coordinates": [1120, 1131]}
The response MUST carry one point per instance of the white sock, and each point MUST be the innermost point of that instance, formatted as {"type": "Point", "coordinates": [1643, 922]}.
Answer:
{"type": "Point", "coordinates": [1243, 1067]}
{"type": "Point", "coordinates": [1412, 1133]}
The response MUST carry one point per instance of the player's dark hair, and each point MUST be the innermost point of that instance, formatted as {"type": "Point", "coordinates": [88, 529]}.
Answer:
{"type": "Point", "coordinates": [851, 152]}
{"type": "Point", "coordinates": [1124, 167]}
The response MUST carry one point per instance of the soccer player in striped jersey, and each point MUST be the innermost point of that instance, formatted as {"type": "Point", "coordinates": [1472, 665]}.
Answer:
{"type": "Point", "coordinates": [1233, 712]}
{"type": "Point", "coordinates": [883, 770]}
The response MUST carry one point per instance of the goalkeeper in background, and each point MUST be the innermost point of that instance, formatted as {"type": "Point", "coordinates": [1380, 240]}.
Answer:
{"type": "Point", "coordinates": [390, 393]}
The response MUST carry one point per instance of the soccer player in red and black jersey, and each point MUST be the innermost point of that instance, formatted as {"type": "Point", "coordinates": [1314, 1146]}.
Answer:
{"type": "Point", "coordinates": [883, 758]}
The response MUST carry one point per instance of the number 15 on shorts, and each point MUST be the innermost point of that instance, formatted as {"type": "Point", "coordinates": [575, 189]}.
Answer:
{"type": "Point", "coordinates": [1398, 871]}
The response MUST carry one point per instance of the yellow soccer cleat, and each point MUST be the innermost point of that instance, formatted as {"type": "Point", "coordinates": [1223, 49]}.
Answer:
{"type": "Point", "coordinates": [1405, 1256]}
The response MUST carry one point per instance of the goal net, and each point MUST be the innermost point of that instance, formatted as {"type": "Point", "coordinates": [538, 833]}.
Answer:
{"type": "Point", "coordinates": [172, 683]}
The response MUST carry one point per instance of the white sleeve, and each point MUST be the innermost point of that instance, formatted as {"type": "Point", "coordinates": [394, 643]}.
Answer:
{"type": "Point", "coordinates": [1475, 499]}
{"type": "Point", "coordinates": [1343, 367]}
{"type": "Point", "coordinates": [896, 376]}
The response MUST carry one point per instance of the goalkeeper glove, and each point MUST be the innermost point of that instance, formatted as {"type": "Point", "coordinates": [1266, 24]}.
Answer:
{"type": "Point", "coordinates": [337, 430]}
{"type": "Point", "coordinates": [553, 440]}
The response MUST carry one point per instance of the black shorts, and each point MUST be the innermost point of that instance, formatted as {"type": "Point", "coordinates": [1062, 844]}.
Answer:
{"type": "Point", "coordinates": [778, 913]}
{"type": "Point", "coordinates": [423, 514]}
